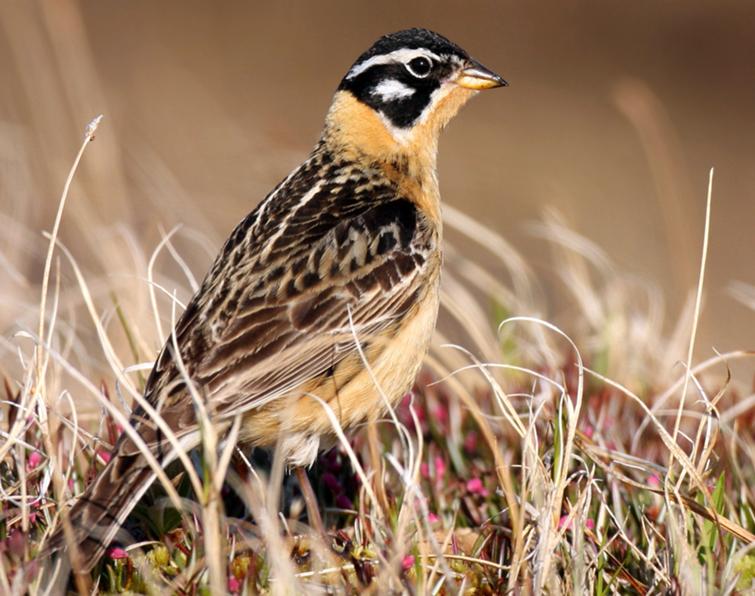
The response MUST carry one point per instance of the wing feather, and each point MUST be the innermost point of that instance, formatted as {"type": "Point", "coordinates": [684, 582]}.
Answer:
{"type": "Point", "coordinates": [282, 326]}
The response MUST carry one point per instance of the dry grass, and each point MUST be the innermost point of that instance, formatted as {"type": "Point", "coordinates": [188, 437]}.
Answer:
{"type": "Point", "coordinates": [605, 460]}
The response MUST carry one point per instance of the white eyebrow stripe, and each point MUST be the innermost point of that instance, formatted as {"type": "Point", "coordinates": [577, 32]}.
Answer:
{"type": "Point", "coordinates": [391, 89]}
{"type": "Point", "coordinates": [402, 55]}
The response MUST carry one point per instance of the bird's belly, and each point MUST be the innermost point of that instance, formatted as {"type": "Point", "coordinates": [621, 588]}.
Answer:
{"type": "Point", "coordinates": [354, 392]}
{"type": "Point", "coordinates": [392, 370]}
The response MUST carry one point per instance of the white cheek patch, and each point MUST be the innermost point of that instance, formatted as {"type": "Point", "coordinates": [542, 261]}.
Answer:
{"type": "Point", "coordinates": [391, 90]}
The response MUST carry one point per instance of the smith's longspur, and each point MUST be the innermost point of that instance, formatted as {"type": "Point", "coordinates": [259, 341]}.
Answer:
{"type": "Point", "coordinates": [339, 263]}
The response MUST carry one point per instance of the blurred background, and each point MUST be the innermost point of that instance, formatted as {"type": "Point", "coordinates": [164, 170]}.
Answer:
{"type": "Point", "coordinates": [614, 115]}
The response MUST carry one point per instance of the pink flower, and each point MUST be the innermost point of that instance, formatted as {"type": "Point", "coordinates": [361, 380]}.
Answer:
{"type": "Point", "coordinates": [470, 442]}
{"type": "Point", "coordinates": [440, 413]}
{"type": "Point", "coordinates": [407, 562]}
{"type": "Point", "coordinates": [589, 524]}
{"type": "Point", "coordinates": [117, 553]}
{"type": "Point", "coordinates": [432, 518]}
{"type": "Point", "coordinates": [234, 585]}
{"type": "Point", "coordinates": [440, 467]}
{"type": "Point", "coordinates": [424, 469]}
{"type": "Point", "coordinates": [35, 458]}
{"type": "Point", "coordinates": [476, 487]}
{"type": "Point", "coordinates": [104, 455]}
{"type": "Point", "coordinates": [589, 431]}
{"type": "Point", "coordinates": [654, 481]}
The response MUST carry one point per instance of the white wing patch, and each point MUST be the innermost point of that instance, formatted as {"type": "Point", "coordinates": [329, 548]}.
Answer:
{"type": "Point", "coordinates": [391, 89]}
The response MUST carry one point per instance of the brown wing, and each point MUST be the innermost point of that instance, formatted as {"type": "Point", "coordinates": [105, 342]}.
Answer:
{"type": "Point", "coordinates": [287, 318]}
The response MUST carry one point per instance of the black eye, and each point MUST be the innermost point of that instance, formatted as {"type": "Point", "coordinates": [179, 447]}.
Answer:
{"type": "Point", "coordinates": [420, 67]}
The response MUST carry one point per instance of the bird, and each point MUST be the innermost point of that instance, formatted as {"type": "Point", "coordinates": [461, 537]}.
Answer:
{"type": "Point", "coordinates": [328, 289]}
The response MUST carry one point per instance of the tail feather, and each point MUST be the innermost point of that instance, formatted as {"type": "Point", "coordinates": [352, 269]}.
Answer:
{"type": "Point", "coordinates": [99, 513]}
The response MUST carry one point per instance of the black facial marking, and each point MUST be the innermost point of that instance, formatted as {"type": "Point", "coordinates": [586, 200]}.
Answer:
{"type": "Point", "coordinates": [419, 77]}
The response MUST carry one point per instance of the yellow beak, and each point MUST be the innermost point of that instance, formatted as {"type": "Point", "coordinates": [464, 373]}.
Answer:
{"type": "Point", "coordinates": [476, 76]}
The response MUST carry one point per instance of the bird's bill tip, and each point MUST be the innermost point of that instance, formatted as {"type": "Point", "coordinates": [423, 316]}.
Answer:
{"type": "Point", "coordinates": [478, 77]}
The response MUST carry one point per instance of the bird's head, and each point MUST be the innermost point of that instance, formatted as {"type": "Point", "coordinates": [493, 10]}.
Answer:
{"type": "Point", "coordinates": [401, 92]}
